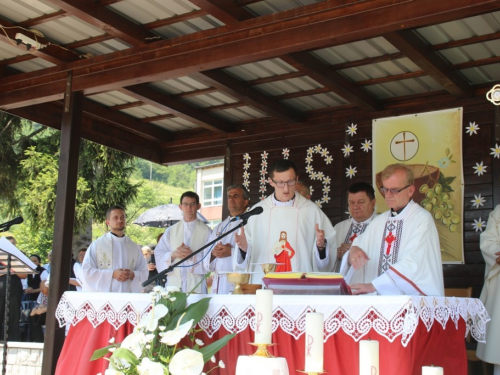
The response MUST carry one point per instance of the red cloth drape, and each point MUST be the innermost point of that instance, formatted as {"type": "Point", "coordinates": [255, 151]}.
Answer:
{"type": "Point", "coordinates": [441, 347]}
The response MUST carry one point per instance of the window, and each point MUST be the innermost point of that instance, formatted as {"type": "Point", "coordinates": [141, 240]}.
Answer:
{"type": "Point", "coordinates": [212, 193]}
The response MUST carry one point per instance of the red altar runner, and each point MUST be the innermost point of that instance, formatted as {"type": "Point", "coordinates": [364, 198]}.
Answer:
{"type": "Point", "coordinates": [412, 331]}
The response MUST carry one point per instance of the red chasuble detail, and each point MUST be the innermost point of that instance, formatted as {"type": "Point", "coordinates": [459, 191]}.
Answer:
{"type": "Point", "coordinates": [389, 239]}
{"type": "Point", "coordinates": [284, 257]}
{"type": "Point", "coordinates": [353, 237]}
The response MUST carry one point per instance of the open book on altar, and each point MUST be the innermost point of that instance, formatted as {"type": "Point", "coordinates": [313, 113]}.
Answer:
{"type": "Point", "coordinates": [306, 283]}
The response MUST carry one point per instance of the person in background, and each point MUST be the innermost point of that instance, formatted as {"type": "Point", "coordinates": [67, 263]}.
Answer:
{"type": "Point", "coordinates": [399, 252]}
{"type": "Point", "coordinates": [361, 201]}
{"type": "Point", "coordinates": [179, 241]}
{"type": "Point", "coordinates": [220, 258]}
{"type": "Point", "coordinates": [49, 258]}
{"type": "Point", "coordinates": [303, 189]}
{"type": "Point", "coordinates": [113, 262]}
{"type": "Point", "coordinates": [149, 256]}
{"type": "Point", "coordinates": [31, 293]}
{"type": "Point", "coordinates": [490, 295]}
{"type": "Point", "coordinates": [77, 270]}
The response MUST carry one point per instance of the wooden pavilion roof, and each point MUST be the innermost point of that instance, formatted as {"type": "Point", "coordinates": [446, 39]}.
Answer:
{"type": "Point", "coordinates": [175, 80]}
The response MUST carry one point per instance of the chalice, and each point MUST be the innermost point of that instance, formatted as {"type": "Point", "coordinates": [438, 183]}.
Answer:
{"type": "Point", "coordinates": [268, 267]}
{"type": "Point", "coordinates": [237, 279]}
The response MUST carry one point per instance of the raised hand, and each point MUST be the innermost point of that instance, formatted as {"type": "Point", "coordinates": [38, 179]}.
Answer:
{"type": "Point", "coordinates": [320, 237]}
{"type": "Point", "coordinates": [241, 239]}
{"type": "Point", "coordinates": [357, 257]}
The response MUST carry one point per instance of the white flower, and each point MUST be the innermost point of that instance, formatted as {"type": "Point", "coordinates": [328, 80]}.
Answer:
{"type": "Point", "coordinates": [112, 349]}
{"type": "Point", "coordinates": [172, 289]}
{"type": "Point", "coordinates": [479, 169]}
{"type": "Point", "coordinates": [350, 172]}
{"type": "Point", "coordinates": [148, 367]}
{"type": "Point", "coordinates": [324, 152]}
{"type": "Point", "coordinates": [327, 180]}
{"type": "Point", "coordinates": [328, 159]}
{"type": "Point", "coordinates": [199, 342]}
{"type": "Point", "coordinates": [286, 153]}
{"type": "Point", "coordinates": [222, 364]}
{"type": "Point", "coordinates": [310, 150]}
{"type": "Point", "coordinates": [246, 165]}
{"type": "Point", "coordinates": [149, 321]}
{"type": "Point", "coordinates": [351, 130]}
{"type": "Point", "coordinates": [186, 362]}
{"type": "Point", "coordinates": [246, 175]}
{"type": "Point", "coordinates": [478, 201]}
{"type": "Point", "coordinates": [213, 360]}
{"type": "Point", "coordinates": [134, 342]}
{"type": "Point", "coordinates": [111, 371]}
{"type": "Point", "coordinates": [309, 159]}
{"type": "Point", "coordinates": [472, 128]}
{"type": "Point", "coordinates": [264, 155]}
{"type": "Point", "coordinates": [479, 225]}
{"type": "Point", "coordinates": [495, 151]}
{"type": "Point", "coordinates": [318, 203]}
{"type": "Point", "coordinates": [174, 336]}
{"type": "Point", "coordinates": [246, 156]}
{"type": "Point", "coordinates": [366, 145]}
{"type": "Point", "coordinates": [326, 198]}
{"type": "Point", "coordinates": [347, 150]}
{"type": "Point", "coordinates": [112, 340]}
{"type": "Point", "coordinates": [317, 148]}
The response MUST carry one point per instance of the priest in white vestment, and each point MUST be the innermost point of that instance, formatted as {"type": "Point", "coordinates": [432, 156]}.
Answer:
{"type": "Point", "coordinates": [181, 240]}
{"type": "Point", "coordinates": [490, 295]}
{"type": "Point", "coordinates": [220, 259]}
{"type": "Point", "coordinates": [399, 252]}
{"type": "Point", "coordinates": [361, 201]}
{"type": "Point", "coordinates": [113, 262]}
{"type": "Point", "coordinates": [308, 230]}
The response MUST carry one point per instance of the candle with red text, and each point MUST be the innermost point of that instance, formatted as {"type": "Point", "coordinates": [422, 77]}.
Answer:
{"type": "Point", "coordinates": [314, 342]}
{"type": "Point", "coordinates": [432, 370]}
{"type": "Point", "coordinates": [263, 316]}
{"type": "Point", "coordinates": [368, 357]}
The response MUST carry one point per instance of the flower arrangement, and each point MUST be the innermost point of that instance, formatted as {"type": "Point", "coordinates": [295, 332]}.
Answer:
{"type": "Point", "coordinates": [153, 347]}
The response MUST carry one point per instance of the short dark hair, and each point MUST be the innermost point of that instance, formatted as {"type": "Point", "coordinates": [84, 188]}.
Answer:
{"type": "Point", "coordinates": [10, 238]}
{"type": "Point", "coordinates": [246, 195]}
{"type": "Point", "coordinates": [37, 257]}
{"type": "Point", "coordinates": [190, 194]}
{"type": "Point", "coordinates": [82, 249]}
{"type": "Point", "coordinates": [282, 165]}
{"type": "Point", "coordinates": [112, 208]}
{"type": "Point", "coordinates": [362, 186]}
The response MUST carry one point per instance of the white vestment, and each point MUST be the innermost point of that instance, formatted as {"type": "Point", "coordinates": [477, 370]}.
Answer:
{"type": "Point", "coordinates": [77, 269]}
{"type": "Point", "coordinates": [298, 219]}
{"type": "Point", "coordinates": [193, 234]}
{"type": "Point", "coordinates": [220, 284]}
{"type": "Point", "coordinates": [346, 231]}
{"type": "Point", "coordinates": [490, 295]}
{"type": "Point", "coordinates": [118, 252]}
{"type": "Point", "coordinates": [404, 254]}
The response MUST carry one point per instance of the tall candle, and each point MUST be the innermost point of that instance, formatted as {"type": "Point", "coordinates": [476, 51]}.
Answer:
{"type": "Point", "coordinates": [432, 370]}
{"type": "Point", "coordinates": [314, 342]}
{"type": "Point", "coordinates": [368, 357]}
{"type": "Point", "coordinates": [263, 316]}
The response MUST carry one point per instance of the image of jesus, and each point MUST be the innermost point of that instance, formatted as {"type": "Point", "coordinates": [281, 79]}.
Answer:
{"type": "Point", "coordinates": [283, 253]}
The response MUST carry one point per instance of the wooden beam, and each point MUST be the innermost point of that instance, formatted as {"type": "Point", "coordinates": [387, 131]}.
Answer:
{"type": "Point", "coordinates": [175, 19]}
{"type": "Point", "coordinates": [275, 78]}
{"type": "Point", "coordinates": [107, 20]}
{"type": "Point", "coordinates": [158, 118]}
{"type": "Point", "coordinates": [396, 77]}
{"type": "Point", "coordinates": [331, 79]}
{"type": "Point", "coordinates": [368, 61]}
{"type": "Point", "coordinates": [119, 107]}
{"type": "Point", "coordinates": [434, 65]}
{"type": "Point", "coordinates": [196, 92]}
{"type": "Point", "coordinates": [246, 94]}
{"type": "Point", "coordinates": [181, 109]}
{"type": "Point", "coordinates": [466, 41]}
{"type": "Point", "coordinates": [313, 26]}
{"type": "Point", "coordinates": [227, 11]}
{"type": "Point", "coordinates": [89, 41]}
{"type": "Point", "coordinates": [43, 19]}
{"type": "Point", "coordinates": [476, 63]}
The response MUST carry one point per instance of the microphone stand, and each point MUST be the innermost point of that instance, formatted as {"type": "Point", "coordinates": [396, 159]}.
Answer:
{"type": "Point", "coordinates": [172, 266]}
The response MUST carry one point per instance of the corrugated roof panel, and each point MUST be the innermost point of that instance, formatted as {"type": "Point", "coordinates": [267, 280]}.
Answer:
{"type": "Point", "coordinates": [143, 111]}
{"type": "Point", "coordinates": [274, 6]}
{"type": "Point", "coordinates": [179, 85]}
{"type": "Point", "coordinates": [483, 74]}
{"type": "Point", "coordinates": [103, 48]}
{"type": "Point", "coordinates": [19, 11]}
{"type": "Point", "coordinates": [493, 71]}
{"type": "Point", "coordinates": [261, 69]}
{"type": "Point", "coordinates": [319, 101]}
{"type": "Point", "coordinates": [175, 124]}
{"type": "Point", "coordinates": [223, 97]}
{"type": "Point", "coordinates": [32, 65]}
{"type": "Point", "coordinates": [188, 27]}
{"type": "Point", "coordinates": [9, 50]}
{"type": "Point", "coordinates": [112, 98]}
{"type": "Point", "coordinates": [204, 101]}
{"type": "Point", "coordinates": [145, 11]}
{"type": "Point", "coordinates": [68, 29]}
{"type": "Point", "coordinates": [378, 70]}
{"type": "Point", "coordinates": [404, 87]}
{"type": "Point", "coordinates": [237, 114]}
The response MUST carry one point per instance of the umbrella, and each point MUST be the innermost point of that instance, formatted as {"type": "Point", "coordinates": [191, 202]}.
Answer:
{"type": "Point", "coordinates": [163, 216]}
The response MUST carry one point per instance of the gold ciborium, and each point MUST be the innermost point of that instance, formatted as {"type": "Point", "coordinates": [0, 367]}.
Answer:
{"type": "Point", "coordinates": [237, 279]}
{"type": "Point", "coordinates": [268, 267]}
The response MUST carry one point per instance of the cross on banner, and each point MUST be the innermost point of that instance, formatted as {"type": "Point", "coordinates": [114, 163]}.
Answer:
{"type": "Point", "coordinates": [404, 142]}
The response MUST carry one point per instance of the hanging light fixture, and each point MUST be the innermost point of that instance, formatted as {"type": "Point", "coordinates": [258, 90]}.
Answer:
{"type": "Point", "coordinates": [494, 95]}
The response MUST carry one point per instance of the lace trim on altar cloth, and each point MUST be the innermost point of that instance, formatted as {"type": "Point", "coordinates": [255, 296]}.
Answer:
{"type": "Point", "coordinates": [401, 322]}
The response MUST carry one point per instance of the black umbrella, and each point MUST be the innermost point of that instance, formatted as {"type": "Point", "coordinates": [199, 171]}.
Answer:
{"type": "Point", "coordinates": [163, 216]}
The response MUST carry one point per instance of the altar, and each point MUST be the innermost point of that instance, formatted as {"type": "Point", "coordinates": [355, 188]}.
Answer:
{"type": "Point", "coordinates": [412, 331]}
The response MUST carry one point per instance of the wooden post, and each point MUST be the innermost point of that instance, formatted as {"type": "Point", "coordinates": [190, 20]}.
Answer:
{"type": "Point", "coordinates": [63, 223]}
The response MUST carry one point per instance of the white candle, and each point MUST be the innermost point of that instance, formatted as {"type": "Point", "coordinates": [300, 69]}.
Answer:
{"type": "Point", "coordinates": [263, 316]}
{"type": "Point", "coordinates": [368, 357]}
{"type": "Point", "coordinates": [314, 342]}
{"type": "Point", "coordinates": [432, 370]}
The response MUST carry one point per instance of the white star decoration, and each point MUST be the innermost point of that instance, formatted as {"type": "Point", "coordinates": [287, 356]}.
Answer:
{"type": "Point", "coordinates": [478, 201]}
{"type": "Point", "coordinates": [350, 172]}
{"type": "Point", "coordinates": [472, 128]}
{"type": "Point", "coordinates": [480, 169]}
{"type": "Point", "coordinates": [263, 172]}
{"type": "Point", "coordinates": [495, 151]}
{"type": "Point", "coordinates": [286, 153]}
{"type": "Point", "coordinates": [347, 150]}
{"type": "Point", "coordinates": [479, 225]}
{"type": "Point", "coordinates": [313, 175]}
{"type": "Point", "coordinates": [246, 174]}
{"type": "Point", "coordinates": [351, 130]}
{"type": "Point", "coordinates": [366, 145]}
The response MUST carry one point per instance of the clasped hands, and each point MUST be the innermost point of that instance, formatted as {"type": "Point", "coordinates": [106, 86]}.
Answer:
{"type": "Point", "coordinates": [123, 274]}
{"type": "Point", "coordinates": [221, 250]}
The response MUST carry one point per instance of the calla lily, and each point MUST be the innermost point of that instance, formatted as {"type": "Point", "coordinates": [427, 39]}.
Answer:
{"type": "Point", "coordinates": [148, 367]}
{"type": "Point", "coordinates": [187, 362]}
{"type": "Point", "coordinates": [174, 336]}
{"type": "Point", "coordinates": [111, 371]}
{"type": "Point", "coordinates": [149, 321]}
{"type": "Point", "coordinates": [134, 342]}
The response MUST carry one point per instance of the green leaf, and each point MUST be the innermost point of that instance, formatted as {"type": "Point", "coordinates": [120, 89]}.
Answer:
{"type": "Point", "coordinates": [196, 311]}
{"type": "Point", "coordinates": [210, 350]}
{"type": "Point", "coordinates": [126, 355]}
{"type": "Point", "coordinates": [99, 353]}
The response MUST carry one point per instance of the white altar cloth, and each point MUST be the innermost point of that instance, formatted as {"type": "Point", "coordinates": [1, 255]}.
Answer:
{"type": "Point", "coordinates": [389, 316]}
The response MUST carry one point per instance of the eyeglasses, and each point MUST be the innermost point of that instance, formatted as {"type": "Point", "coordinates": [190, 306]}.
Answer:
{"type": "Point", "coordinates": [281, 184]}
{"type": "Point", "coordinates": [192, 204]}
{"type": "Point", "coordinates": [384, 190]}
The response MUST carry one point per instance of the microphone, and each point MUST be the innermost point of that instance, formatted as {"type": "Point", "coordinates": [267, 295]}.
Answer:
{"type": "Point", "coordinates": [8, 224]}
{"type": "Point", "coordinates": [246, 215]}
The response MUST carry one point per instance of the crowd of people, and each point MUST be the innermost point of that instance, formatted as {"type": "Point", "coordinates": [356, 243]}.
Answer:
{"type": "Point", "coordinates": [394, 252]}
